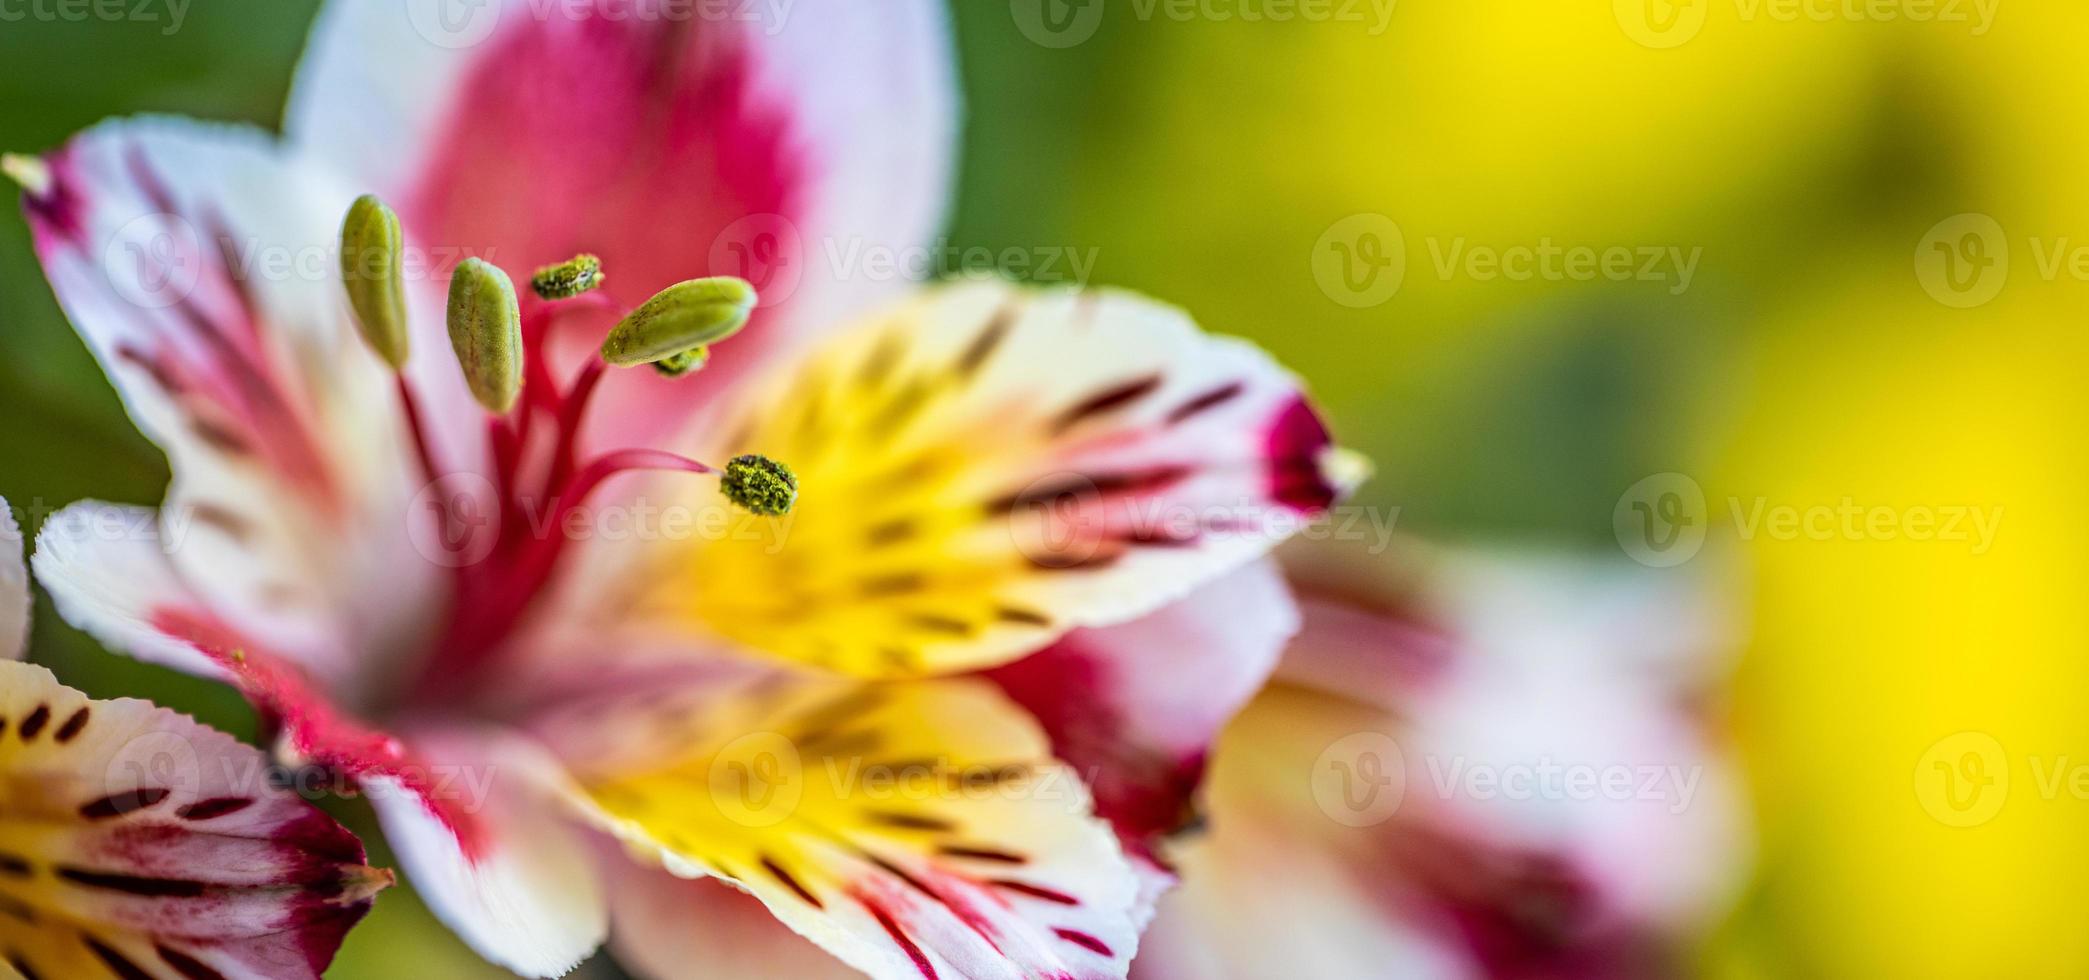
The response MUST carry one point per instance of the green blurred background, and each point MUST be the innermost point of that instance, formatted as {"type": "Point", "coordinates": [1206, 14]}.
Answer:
{"type": "Point", "coordinates": [1804, 153]}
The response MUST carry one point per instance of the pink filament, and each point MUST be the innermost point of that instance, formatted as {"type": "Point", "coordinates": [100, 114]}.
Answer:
{"type": "Point", "coordinates": [492, 596]}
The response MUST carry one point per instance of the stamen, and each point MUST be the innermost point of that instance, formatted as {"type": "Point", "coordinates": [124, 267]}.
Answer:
{"type": "Point", "coordinates": [572, 412]}
{"type": "Point", "coordinates": [676, 365]}
{"type": "Point", "coordinates": [486, 330]}
{"type": "Point", "coordinates": [679, 319]}
{"type": "Point", "coordinates": [1345, 469]}
{"type": "Point", "coordinates": [759, 485]}
{"type": "Point", "coordinates": [419, 429]}
{"type": "Point", "coordinates": [31, 172]}
{"type": "Point", "coordinates": [371, 247]}
{"type": "Point", "coordinates": [568, 279]}
{"type": "Point", "coordinates": [626, 461]}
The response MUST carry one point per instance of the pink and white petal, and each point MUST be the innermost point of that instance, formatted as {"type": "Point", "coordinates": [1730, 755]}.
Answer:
{"type": "Point", "coordinates": [1136, 707]}
{"type": "Point", "coordinates": [14, 588]}
{"type": "Point", "coordinates": [916, 829]}
{"type": "Point", "coordinates": [107, 575]}
{"type": "Point", "coordinates": [1374, 629]}
{"type": "Point", "coordinates": [1562, 661]}
{"type": "Point", "coordinates": [1525, 664]}
{"type": "Point", "coordinates": [774, 142]}
{"type": "Point", "coordinates": [136, 842]}
{"type": "Point", "coordinates": [503, 869]}
{"type": "Point", "coordinates": [1291, 913]}
{"type": "Point", "coordinates": [983, 470]}
{"type": "Point", "coordinates": [670, 928]}
{"type": "Point", "coordinates": [1291, 879]}
{"type": "Point", "coordinates": [483, 824]}
{"type": "Point", "coordinates": [199, 263]}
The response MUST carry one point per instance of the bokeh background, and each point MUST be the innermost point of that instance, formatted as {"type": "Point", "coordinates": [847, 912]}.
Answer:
{"type": "Point", "coordinates": [1844, 335]}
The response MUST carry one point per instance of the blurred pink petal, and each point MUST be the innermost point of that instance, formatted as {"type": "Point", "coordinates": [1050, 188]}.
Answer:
{"type": "Point", "coordinates": [1136, 707]}
{"type": "Point", "coordinates": [1500, 667]}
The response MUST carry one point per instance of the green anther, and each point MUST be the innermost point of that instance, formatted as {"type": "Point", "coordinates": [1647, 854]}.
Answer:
{"type": "Point", "coordinates": [680, 318]}
{"type": "Point", "coordinates": [569, 278]}
{"type": "Point", "coordinates": [486, 331]}
{"type": "Point", "coordinates": [676, 365]}
{"type": "Point", "coordinates": [760, 485]}
{"type": "Point", "coordinates": [371, 247]}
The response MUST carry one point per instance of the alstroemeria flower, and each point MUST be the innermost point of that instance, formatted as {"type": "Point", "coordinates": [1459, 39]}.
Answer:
{"type": "Point", "coordinates": [135, 842]}
{"type": "Point", "coordinates": [411, 588]}
{"type": "Point", "coordinates": [1468, 767]}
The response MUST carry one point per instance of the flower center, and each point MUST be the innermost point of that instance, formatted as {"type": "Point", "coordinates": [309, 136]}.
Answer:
{"type": "Point", "coordinates": [537, 473]}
